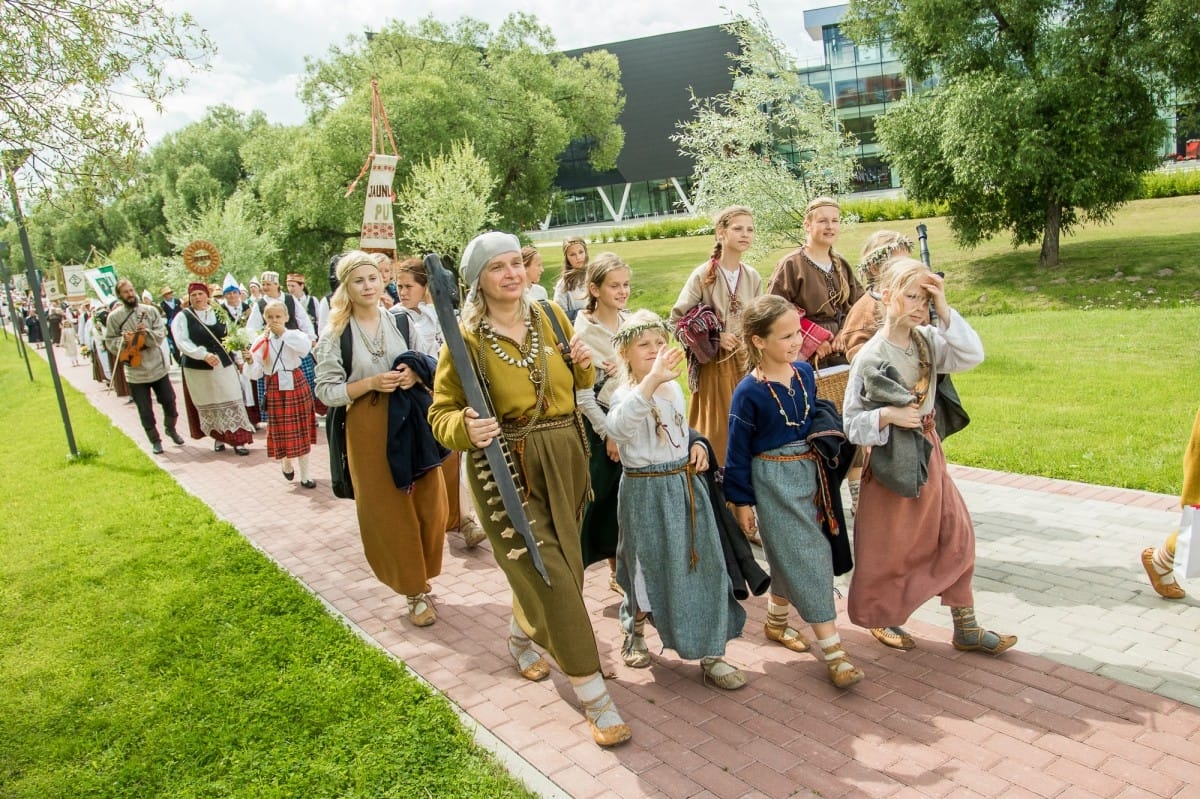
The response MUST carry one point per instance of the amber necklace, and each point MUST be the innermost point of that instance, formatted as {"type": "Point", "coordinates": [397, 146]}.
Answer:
{"type": "Point", "coordinates": [791, 390]}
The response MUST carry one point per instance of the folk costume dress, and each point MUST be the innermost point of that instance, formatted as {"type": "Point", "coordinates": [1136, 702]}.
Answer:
{"type": "Point", "coordinates": [727, 294]}
{"type": "Point", "coordinates": [772, 467]}
{"type": "Point", "coordinates": [291, 427]}
{"type": "Point", "coordinates": [403, 530]}
{"type": "Point", "coordinates": [598, 535]}
{"type": "Point", "coordinates": [669, 560]}
{"type": "Point", "coordinates": [533, 394]}
{"type": "Point", "coordinates": [298, 319]}
{"type": "Point", "coordinates": [908, 549]}
{"type": "Point", "coordinates": [211, 395]}
{"type": "Point", "coordinates": [815, 291]}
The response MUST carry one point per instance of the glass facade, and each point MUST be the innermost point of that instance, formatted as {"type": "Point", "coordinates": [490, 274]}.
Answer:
{"type": "Point", "coordinates": [647, 198]}
{"type": "Point", "coordinates": [861, 81]}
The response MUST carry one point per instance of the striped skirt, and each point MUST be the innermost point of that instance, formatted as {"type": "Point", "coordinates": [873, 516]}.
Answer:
{"type": "Point", "coordinates": [291, 428]}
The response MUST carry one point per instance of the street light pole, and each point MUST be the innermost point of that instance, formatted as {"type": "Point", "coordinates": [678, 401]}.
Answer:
{"type": "Point", "coordinates": [12, 160]}
{"type": "Point", "coordinates": [12, 309]}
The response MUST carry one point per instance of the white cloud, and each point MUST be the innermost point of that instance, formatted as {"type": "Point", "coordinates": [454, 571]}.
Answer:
{"type": "Point", "coordinates": [262, 43]}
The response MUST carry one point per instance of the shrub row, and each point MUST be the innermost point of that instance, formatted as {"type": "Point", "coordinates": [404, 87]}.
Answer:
{"type": "Point", "coordinates": [1154, 184]}
{"type": "Point", "coordinates": [1170, 184]}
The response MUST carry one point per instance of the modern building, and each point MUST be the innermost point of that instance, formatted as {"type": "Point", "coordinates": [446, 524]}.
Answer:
{"type": "Point", "coordinates": [651, 177]}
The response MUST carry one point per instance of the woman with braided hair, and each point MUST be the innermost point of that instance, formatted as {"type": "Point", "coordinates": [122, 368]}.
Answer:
{"type": "Point", "coordinates": [726, 286]}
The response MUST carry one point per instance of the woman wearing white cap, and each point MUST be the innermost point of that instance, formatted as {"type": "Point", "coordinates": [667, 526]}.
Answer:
{"type": "Point", "coordinates": [532, 387]}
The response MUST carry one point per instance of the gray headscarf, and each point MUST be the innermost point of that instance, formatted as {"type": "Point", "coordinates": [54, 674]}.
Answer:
{"type": "Point", "coordinates": [482, 249]}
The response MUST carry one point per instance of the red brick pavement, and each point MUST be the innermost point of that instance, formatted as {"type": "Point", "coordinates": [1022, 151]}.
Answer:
{"type": "Point", "coordinates": [928, 723]}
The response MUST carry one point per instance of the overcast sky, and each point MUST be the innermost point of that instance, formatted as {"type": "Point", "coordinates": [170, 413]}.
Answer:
{"type": "Point", "coordinates": [262, 43]}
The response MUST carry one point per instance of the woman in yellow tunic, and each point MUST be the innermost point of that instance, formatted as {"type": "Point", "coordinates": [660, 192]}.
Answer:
{"type": "Point", "coordinates": [532, 387]}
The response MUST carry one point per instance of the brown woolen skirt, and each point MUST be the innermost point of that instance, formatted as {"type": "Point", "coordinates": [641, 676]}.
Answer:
{"type": "Point", "coordinates": [909, 550]}
{"type": "Point", "coordinates": [450, 475]}
{"type": "Point", "coordinates": [708, 410]}
{"type": "Point", "coordinates": [403, 533]}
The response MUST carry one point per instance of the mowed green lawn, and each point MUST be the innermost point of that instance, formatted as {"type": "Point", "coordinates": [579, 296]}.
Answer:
{"type": "Point", "coordinates": [147, 650]}
{"type": "Point", "coordinates": [1093, 367]}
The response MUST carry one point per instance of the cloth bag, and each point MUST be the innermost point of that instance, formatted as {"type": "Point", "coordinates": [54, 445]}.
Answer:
{"type": "Point", "coordinates": [1187, 547]}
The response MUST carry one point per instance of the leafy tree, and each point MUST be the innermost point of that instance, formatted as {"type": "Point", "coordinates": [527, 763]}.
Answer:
{"type": "Point", "coordinates": [771, 143]}
{"type": "Point", "coordinates": [507, 91]}
{"type": "Point", "coordinates": [67, 71]}
{"type": "Point", "coordinates": [234, 226]}
{"type": "Point", "coordinates": [445, 202]}
{"type": "Point", "coordinates": [1045, 112]}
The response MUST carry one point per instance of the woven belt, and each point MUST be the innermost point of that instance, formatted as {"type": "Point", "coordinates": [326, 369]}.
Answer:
{"type": "Point", "coordinates": [823, 499]}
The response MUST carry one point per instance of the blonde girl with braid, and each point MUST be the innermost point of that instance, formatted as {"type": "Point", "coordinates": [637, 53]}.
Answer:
{"type": "Point", "coordinates": [726, 286]}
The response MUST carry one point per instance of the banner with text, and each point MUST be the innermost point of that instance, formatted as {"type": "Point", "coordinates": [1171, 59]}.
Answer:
{"type": "Point", "coordinates": [379, 227]}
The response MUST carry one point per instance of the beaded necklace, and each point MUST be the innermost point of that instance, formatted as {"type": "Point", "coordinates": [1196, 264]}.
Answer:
{"type": "Point", "coordinates": [376, 346]}
{"type": "Point", "coordinates": [533, 357]}
{"type": "Point", "coordinates": [529, 349]}
{"type": "Point", "coordinates": [791, 393]}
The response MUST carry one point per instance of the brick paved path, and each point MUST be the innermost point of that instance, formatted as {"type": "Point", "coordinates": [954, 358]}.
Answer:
{"type": "Point", "coordinates": [1099, 699]}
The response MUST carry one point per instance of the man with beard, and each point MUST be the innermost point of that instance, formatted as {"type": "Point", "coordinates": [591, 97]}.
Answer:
{"type": "Point", "coordinates": [135, 333]}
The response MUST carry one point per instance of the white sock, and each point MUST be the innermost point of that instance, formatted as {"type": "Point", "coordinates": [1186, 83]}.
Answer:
{"type": "Point", "coordinates": [286, 464]}
{"type": "Point", "coordinates": [303, 461]}
{"type": "Point", "coordinates": [597, 704]}
{"type": "Point", "coordinates": [834, 644]}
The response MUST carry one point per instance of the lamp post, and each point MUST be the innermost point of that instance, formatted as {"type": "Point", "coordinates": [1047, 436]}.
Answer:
{"type": "Point", "coordinates": [12, 309]}
{"type": "Point", "coordinates": [12, 161]}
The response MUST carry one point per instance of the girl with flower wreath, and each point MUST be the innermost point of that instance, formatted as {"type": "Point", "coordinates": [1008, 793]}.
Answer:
{"type": "Point", "coordinates": [670, 561]}
{"type": "Point", "coordinates": [774, 481]}
{"type": "Point", "coordinates": [913, 536]}
{"type": "Point", "coordinates": [726, 286]}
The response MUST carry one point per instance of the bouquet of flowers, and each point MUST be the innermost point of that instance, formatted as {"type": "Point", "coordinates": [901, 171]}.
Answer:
{"type": "Point", "coordinates": [237, 340]}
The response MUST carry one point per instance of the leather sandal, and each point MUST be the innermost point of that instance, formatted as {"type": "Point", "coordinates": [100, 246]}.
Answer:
{"type": "Point", "coordinates": [894, 637]}
{"type": "Point", "coordinates": [420, 610]}
{"type": "Point", "coordinates": [530, 665]}
{"type": "Point", "coordinates": [786, 636]}
{"type": "Point", "coordinates": [721, 674]}
{"type": "Point", "coordinates": [634, 652]}
{"type": "Point", "coordinates": [472, 533]}
{"type": "Point", "coordinates": [971, 637]}
{"type": "Point", "coordinates": [842, 672]}
{"type": "Point", "coordinates": [613, 734]}
{"type": "Point", "coordinates": [1170, 590]}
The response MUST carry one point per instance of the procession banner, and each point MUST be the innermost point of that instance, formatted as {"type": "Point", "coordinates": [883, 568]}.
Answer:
{"type": "Point", "coordinates": [75, 283]}
{"type": "Point", "coordinates": [379, 227]}
{"type": "Point", "coordinates": [103, 281]}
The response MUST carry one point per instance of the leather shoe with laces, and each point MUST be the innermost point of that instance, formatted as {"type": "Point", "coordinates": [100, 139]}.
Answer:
{"type": "Point", "coordinates": [174, 436]}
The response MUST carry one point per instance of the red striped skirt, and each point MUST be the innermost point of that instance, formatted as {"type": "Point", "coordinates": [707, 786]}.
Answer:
{"type": "Point", "coordinates": [291, 428]}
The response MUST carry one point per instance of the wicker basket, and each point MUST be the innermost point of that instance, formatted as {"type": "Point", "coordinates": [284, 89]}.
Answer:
{"type": "Point", "coordinates": [831, 384]}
